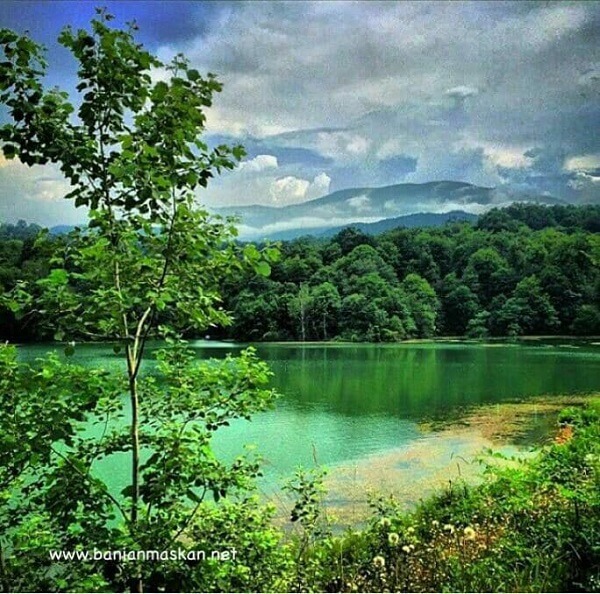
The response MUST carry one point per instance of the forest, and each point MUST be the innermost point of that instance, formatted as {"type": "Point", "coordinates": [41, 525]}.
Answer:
{"type": "Point", "coordinates": [522, 270]}
{"type": "Point", "coordinates": [117, 453]}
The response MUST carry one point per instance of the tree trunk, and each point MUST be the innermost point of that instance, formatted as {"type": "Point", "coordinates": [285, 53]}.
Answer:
{"type": "Point", "coordinates": [136, 581]}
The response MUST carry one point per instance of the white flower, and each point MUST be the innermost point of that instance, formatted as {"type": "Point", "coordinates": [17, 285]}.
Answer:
{"type": "Point", "coordinates": [379, 561]}
{"type": "Point", "coordinates": [393, 538]}
{"type": "Point", "coordinates": [469, 533]}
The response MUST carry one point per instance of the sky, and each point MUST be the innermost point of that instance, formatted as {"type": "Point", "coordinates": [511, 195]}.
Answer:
{"type": "Point", "coordinates": [332, 95]}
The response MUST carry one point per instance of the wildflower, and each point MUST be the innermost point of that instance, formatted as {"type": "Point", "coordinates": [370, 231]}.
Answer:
{"type": "Point", "coordinates": [410, 530]}
{"type": "Point", "coordinates": [406, 549]}
{"type": "Point", "coordinates": [469, 533]}
{"type": "Point", "coordinates": [385, 522]}
{"type": "Point", "coordinates": [411, 547]}
{"type": "Point", "coordinates": [435, 523]}
{"type": "Point", "coordinates": [449, 528]}
{"type": "Point", "coordinates": [393, 538]}
{"type": "Point", "coordinates": [379, 561]}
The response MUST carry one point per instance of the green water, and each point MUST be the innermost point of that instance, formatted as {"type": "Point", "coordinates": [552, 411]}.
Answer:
{"type": "Point", "coordinates": [344, 403]}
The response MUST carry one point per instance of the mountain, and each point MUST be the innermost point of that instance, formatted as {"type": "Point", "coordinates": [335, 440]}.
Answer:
{"type": "Point", "coordinates": [61, 229]}
{"type": "Point", "coordinates": [421, 219]}
{"type": "Point", "coordinates": [372, 205]}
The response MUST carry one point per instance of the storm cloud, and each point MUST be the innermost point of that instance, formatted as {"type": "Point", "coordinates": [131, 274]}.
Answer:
{"type": "Point", "coordinates": [329, 95]}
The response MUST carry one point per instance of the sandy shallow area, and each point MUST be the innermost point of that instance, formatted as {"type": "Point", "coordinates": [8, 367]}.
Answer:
{"type": "Point", "coordinates": [449, 452]}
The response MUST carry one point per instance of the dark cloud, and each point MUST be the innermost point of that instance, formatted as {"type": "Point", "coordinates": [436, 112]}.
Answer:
{"type": "Point", "coordinates": [374, 93]}
{"type": "Point", "coordinates": [396, 168]}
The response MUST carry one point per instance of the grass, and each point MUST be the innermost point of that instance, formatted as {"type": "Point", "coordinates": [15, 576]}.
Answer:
{"type": "Point", "coordinates": [533, 527]}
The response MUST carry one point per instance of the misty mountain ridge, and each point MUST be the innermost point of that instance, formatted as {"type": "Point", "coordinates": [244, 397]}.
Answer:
{"type": "Point", "coordinates": [359, 206]}
{"type": "Point", "coordinates": [421, 220]}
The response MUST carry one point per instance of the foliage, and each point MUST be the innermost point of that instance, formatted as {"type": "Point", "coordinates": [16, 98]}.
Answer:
{"type": "Point", "coordinates": [148, 265]}
{"type": "Point", "coordinates": [314, 534]}
{"type": "Point", "coordinates": [487, 280]}
{"type": "Point", "coordinates": [531, 527]}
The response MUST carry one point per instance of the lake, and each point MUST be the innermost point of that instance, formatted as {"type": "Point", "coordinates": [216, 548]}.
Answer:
{"type": "Point", "coordinates": [359, 408]}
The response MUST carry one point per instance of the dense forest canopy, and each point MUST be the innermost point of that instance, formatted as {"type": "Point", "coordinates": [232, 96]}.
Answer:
{"type": "Point", "coordinates": [525, 269]}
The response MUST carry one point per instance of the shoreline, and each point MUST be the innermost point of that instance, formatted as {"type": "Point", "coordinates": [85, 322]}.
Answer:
{"type": "Point", "coordinates": [593, 340]}
{"type": "Point", "coordinates": [447, 453]}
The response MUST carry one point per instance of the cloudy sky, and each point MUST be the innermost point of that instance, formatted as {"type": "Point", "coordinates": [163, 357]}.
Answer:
{"type": "Point", "coordinates": [330, 95]}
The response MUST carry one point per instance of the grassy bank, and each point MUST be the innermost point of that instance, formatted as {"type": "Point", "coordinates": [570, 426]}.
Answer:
{"type": "Point", "coordinates": [533, 527]}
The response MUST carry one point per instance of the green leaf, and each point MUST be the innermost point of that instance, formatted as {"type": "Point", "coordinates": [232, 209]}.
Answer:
{"type": "Point", "coordinates": [10, 151]}
{"type": "Point", "coordinates": [160, 90]}
{"type": "Point", "coordinates": [58, 276]}
{"type": "Point", "coordinates": [263, 268]}
{"type": "Point", "coordinates": [251, 253]}
{"type": "Point", "coordinates": [272, 254]}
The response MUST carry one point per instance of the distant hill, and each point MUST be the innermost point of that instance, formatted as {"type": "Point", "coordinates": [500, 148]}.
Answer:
{"type": "Point", "coordinates": [373, 205]}
{"type": "Point", "coordinates": [421, 219]}
{"type": "Point", "coordinates": [61, 229]}
{"type": "Point", "coordinates": [372, 210]}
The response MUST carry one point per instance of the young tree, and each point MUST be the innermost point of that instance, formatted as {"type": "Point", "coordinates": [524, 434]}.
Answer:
{"type": "Point", "coordinates": [148, 266]}
{"type": "Point", "coordinates": [423, 304]}
{"type": "Point", "coordinates": [298, 308]}
{"type": "Point", "coordinates": [325, 306]}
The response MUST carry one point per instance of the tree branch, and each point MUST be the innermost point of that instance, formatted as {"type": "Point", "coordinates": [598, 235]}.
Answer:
{"type": "Point", "coordinates": [87, 478]}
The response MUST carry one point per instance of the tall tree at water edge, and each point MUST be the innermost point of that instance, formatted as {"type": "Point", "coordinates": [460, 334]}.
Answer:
{"type": "Point", "coordinates": [148, 266]}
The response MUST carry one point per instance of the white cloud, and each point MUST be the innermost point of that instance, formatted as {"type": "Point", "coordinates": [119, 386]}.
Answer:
{"type": "Point", "coordinates": [290, 189]}
{"type": "Point", "coordinates": [358, 145]}
{"type": "Point", "coordinates": [583, 181]}
{"type": "Point", "coordinates": [259, 163]}
{"type": "Point", "coordinates": [359, 203]}
{"type": "Point", "coordinates": [405, 60]}
{"type": "Point", "coordinates": [505, 156]}
{"type": "Point", "coordinates": [586, 178]}
{"type": "Point", "coordinates": [554, 22]}
{"type": "Point", "coordinates": [464, 88]}
{"type": "Point", "coordinates": [390, 148]}
{"type": "Point", "coordinates": [308, 223]}
{"type": "Point", "coordinates": [462, 92]}
{"type": "Point", "coordinates": [319, 186]}
{"type": "Point", "coordinates": [340, 145]}
{"type": "Point", "coordinates": [583, 163]}
{"type": "Point", "coordinates": [35, 194]}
